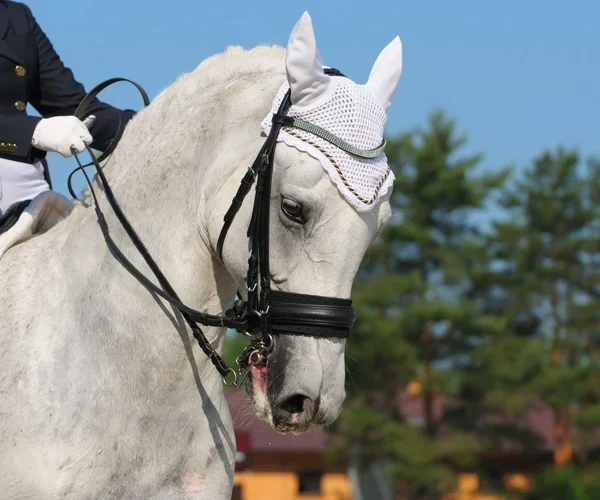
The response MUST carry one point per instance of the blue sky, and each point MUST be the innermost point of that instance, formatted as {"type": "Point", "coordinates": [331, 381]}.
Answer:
{"type": "Point", "coordinates": [518, 76]}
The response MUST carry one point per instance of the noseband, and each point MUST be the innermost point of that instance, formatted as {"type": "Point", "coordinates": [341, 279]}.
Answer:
{"type": "Point", "coordinates": [263, 313]}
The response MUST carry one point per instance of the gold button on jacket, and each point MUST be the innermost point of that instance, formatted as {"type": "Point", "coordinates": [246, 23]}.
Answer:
{"type": "Point", "coordinates": [20, 70]}
{"type": "Point", "coordinates": [20, 105]}
{"type": "Point", "coordinates": [8, 147]}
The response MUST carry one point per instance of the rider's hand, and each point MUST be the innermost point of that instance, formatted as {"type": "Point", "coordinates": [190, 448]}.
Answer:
{"type": "Point", "coordinates": [61, 134]}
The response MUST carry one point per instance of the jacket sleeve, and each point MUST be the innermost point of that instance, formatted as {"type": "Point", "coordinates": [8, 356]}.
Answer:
{"type": "Point", "coordinates": [58, 93]}
{"type": "Point", "coordinates": [17, 131]}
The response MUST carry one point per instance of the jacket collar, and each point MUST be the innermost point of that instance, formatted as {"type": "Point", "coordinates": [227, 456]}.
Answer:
{"type": "Point", "coordinates": [3, 19]}
{"type": "Point", "coordinates": [5, 49]}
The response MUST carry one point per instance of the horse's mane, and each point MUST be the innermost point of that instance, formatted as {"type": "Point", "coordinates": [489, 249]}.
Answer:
{"type": "Point", "coordinates": [236, 62]}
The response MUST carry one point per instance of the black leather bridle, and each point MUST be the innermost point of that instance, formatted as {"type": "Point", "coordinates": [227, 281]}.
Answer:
{"type": "Point", "coordinates": [263, 313]}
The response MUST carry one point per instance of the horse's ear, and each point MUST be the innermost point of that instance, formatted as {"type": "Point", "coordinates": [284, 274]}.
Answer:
{"type": "Point", "coordinates": [386, 72]}
{"type": "Point", "coordinates": [304, 68]}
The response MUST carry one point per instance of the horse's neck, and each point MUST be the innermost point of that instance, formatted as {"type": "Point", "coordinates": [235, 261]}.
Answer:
{"type": "Point", "coordinates": [163, 179]}
{"type": "Point", "coordinates": [95, 302]}
{"type": "Point", "coordinates": [171, 174]}
{"type": "Point", "coordinates": [114, 316]}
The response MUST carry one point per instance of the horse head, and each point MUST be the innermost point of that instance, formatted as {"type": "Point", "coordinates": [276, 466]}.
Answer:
{"type": "Point", "coordinates": [329, 194]}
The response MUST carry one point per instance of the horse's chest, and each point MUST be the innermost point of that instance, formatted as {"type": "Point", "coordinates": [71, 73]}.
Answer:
{"type": "Point", "coordinates": [184, 465]}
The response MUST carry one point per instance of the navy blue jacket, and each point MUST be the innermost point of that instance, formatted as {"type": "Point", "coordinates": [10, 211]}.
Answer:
{"type": "Point", "coordinates": [31, 72]}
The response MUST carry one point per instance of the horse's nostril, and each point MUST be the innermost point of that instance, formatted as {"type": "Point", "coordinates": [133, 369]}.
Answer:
{"type": "Point", "coordinates": [295, 404]}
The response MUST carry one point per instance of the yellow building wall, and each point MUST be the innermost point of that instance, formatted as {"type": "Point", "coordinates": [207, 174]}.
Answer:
{"type": "Point", "coordinates": [284, 486]}
{"type": "Point", "coordinates": [468, 486]}
{"type": "Point", "coordinates": [275, 478]}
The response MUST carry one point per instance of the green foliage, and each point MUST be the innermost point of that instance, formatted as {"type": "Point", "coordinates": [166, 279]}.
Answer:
{"type": "Point", "coordinates": [543, 274]}
{"type": "Point", "coordinates": [590, 417]}
{"type": "Point", "coordinates": [475, 316]}
{"type": "Point", "coordinates": [564, 483]}
{"type": "Point", "coordinates": [492, 320]}
{"type": "Point", "coordinates": [418, 460]}
{"type": "Point", "coordinates": [233, 346]}
{"type": "Point", "coordinates": [415, 318]}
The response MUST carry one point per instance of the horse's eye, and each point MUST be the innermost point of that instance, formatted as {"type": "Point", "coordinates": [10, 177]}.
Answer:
{"type": "Point", "coordinates": [292, 210]}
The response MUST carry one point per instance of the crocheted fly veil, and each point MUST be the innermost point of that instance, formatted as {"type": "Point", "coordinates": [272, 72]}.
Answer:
{"type": "Point", "coordinates": [355, 116]}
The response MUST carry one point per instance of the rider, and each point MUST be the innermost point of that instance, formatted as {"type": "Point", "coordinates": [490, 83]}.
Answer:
{"type": "Point", "coordinates": [31, 72]}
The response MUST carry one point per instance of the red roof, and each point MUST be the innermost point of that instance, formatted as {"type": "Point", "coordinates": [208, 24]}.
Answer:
{"type": "Point", "coordinates": [412, 407]}
{"type": "Point", "coordinates": [539, 418]}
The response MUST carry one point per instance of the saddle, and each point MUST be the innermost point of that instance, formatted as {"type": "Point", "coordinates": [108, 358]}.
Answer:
{"type": "Point", "coordinates": [26, 219]}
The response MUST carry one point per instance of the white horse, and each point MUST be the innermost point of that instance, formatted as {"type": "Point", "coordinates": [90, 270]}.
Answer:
{"type": "Point", "coordinates": [103, 392]}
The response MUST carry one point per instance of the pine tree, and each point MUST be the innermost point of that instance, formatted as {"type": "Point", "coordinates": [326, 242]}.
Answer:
{"type": "Point", "coordinates": [546, 259]}
{"type": "Point", "coordinates": [415, 325]}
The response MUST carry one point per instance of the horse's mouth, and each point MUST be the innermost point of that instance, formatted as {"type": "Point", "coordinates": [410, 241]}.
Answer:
{"type": "Point", "coordinates": [294, 429]}
{"type": "Point", "coordinates": [259, 378]}
{"type": "Point", "coordinates": [280, 419]}
{"type": "Point", "coordinates": [256, 388]}
{"type": "Point", "coordinates": [295, 423]}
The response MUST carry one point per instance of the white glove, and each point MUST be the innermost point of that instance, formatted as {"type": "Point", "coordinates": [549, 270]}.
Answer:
{"type": "Point", "coordinates": [62, 134]}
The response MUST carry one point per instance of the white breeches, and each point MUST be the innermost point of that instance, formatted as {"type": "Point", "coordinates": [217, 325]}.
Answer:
{"type": "Point", "coordinates": [20, 181]}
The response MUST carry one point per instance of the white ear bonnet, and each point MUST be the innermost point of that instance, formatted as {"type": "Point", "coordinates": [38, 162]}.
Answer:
{"type": "Point", "coordinates": [351, 112]}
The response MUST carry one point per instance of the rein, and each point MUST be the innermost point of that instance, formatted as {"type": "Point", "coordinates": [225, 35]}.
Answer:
{"type": "Point", "coordinates": [265, 313]}
{"type": "Point", "coordinates": [191, 316]}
